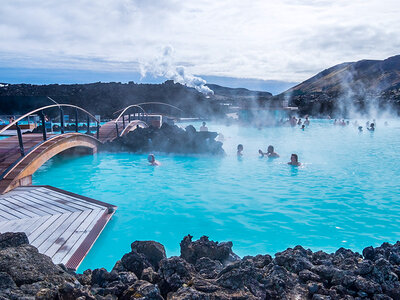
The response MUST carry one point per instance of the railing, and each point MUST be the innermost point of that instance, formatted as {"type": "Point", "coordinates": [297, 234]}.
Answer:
{"type": "Point", "coordinates": [161, 103]}
{"type": "Point", "coordinates": [43, 122]}
{"type": "Point", "coordinates": [141, 115]}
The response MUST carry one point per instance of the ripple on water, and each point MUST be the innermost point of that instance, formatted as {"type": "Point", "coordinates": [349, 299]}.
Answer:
{"type": "Point", "coordinates": [345, 194]}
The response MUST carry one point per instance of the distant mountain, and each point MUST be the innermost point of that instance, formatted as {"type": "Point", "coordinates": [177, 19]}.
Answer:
{"type": "Point", "coordinates": [349, 86]}
{"type": "Point", "coordinates": [273, 86]}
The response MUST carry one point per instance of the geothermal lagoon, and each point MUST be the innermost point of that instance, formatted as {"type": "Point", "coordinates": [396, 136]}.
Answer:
{"type": "Point", "coordinates": [346, 193]}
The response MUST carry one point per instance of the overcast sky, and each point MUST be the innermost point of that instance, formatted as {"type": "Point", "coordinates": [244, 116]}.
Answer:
{"type": "Point", "coordinates": [280, 40]}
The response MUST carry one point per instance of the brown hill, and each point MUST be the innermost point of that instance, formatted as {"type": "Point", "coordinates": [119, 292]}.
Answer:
{"type": "Point", "coordinates": [355, 84]}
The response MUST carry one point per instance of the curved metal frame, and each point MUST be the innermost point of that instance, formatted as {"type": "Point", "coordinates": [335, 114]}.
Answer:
{"type": "Point", "coordinates": [162, 103]}
{"type": "Point", "coordinates": [126, 128]}
{"type": "Point", "coordinates": [46, 107]}
{"type": "Point", "coordinates": [126, 108]}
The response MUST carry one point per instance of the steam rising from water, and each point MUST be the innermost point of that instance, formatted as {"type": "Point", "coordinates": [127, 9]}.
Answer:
{"type": "Point", "coordinates": [164, 66]}
{"type": "Point", "coordinates": [359, 100]}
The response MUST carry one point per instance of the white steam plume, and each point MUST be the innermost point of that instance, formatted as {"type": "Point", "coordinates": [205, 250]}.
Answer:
{"type": "Point", "coordinates": [164, 66]}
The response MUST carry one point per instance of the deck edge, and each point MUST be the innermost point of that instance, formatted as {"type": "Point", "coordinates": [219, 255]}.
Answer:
{"type": "Point", "coordinates": [79, 255]}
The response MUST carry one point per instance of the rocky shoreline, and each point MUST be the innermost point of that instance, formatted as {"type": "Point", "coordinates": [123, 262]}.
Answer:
{"type": "Point", "coordinates": [204, 270]}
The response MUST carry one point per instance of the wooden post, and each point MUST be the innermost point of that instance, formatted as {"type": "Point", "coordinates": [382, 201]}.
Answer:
{"type": "Point", "coordinates": [88, 125]}
{"type": "Point", "coordinates": [76, 120]}
{"type": "Point", "coordinates": [21, 144]}
{"type": "Point", "coordinates": [44, 126]}
{"type": "Point", "coordinates": [62, 120]}
{"type": "Point", "coordinates": [116, 127]}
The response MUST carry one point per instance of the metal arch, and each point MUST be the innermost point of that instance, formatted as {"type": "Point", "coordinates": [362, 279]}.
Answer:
{"type": "Point", "coordinates": [162, 103]}
{"type": "Point", "coordinates": [126, 108]}
{"type": "Point", "coordinates": [46, 107]}
{"type": "Point", "coordinates": [127, 127]}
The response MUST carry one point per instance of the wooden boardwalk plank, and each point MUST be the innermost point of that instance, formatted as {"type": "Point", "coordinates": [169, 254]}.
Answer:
{"type": "Point", "coordinates": [60, 224]}
{"type": "Point", "coordinates": [66, 235]}
{"type": "Point", "coordinates": [47, 206]}
{"type": "Point", "coordinates": [54, 232]}
{"type": "Point", "coordinates": [36, 237]}
{"type": "Point", "coordinates": [82, 230]}
{"type": "Point", "coordinates": [31, 206]}
{"type": "Point", "coordinates": [12, 209]}
{"type": "Point", "coordinates": [20, 207]}
{"type": "Point", "coordinates": [68, 207]}
{"type": "Point", "coordinates": [89, 227]}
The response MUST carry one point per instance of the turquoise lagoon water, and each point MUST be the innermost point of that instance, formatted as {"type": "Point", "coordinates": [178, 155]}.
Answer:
{"type": "Point", "coordinates": [346, 194]}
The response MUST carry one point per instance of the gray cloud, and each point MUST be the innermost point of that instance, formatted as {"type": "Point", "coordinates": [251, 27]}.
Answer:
{"type": "Point", "coordinates": [280, 40]}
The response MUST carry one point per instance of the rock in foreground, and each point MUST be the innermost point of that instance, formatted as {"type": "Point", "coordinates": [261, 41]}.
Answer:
{"type": "Point", "coordinates": [205, 270]}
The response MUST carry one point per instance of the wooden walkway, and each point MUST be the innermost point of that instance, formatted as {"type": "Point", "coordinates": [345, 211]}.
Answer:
{"type": "Point", "coordinates": [62, 225]}
{"type": "Point", "coordinates": [108, 131]}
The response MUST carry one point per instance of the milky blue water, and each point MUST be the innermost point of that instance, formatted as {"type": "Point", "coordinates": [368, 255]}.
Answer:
{"type": "Point", "coordinates": [346, 194]}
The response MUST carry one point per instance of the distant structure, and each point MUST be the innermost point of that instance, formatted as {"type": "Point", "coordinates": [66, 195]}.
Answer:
{"type": "Point", "coordinates": [265, 113]}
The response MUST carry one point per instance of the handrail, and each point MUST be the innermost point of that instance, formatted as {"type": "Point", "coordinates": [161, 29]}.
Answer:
{"type": "Point", "coordinates": [127, 127]}
{"type": "Point", "coordinates": [162, 103]}
{"type": "Point", "coordinates": [128, 107]}
{"type": "Point", "coordinates": [46, 107]}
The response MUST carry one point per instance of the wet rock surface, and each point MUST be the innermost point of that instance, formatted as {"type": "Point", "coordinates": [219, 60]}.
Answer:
{"type": "Point", "coordinates": [168, 139]}
{"type": "Point", "coordinates": [205, 270]}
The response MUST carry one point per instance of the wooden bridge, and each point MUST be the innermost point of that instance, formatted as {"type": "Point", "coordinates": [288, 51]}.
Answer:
{"type": "Point", "coordinates": [124, 123]}
{"type": "Point", "coordinates": [22, 155]}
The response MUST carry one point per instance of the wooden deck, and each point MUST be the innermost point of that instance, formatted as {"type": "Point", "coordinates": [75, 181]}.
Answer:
{"type": "Point", "coordinates": [62, 225]}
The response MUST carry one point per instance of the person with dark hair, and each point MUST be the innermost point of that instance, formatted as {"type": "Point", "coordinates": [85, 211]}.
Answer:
{"type": "Point", "coordinates": [360, 128]}
{"type": "Point", "coordinates": [270, 152]}
{"type": "Point", "coordinates": [240, 150]}
{"type": "Point", "coordinates": [204, 127]}
{"type": "Point", "coordinates": [294, 160]}
{"type": "Point", "coordinates": [371, 127]}
{"type": "Point", "coordinates": [152, 160]}
{"type": "Point", "coordinates": [303, 127]}
{"type": "Point", "coordinates": [307, 121]}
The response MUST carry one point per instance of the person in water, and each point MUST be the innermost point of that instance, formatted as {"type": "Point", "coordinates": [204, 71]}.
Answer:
{"type": "Point", "coordinates": [307, 122]}
{"type": "Point", "coordinates": [152, 160]}
{"type": "Point", "coordinates": [371, 127]}
{"type": "Point", "coordinates": [294, 160]}
{"type": "Point", "coordinates": [270, 152]}
{"type": "Point", "coordinates": [303, 127]}
{"type": "Point", "coordinates": [204, 127]}
{"type": "Point", "coordinates": [360, 128]}
{"type": "Point", "coordinates": [293, 121]}
{"type": "Point", "coordinates": [240, 150]}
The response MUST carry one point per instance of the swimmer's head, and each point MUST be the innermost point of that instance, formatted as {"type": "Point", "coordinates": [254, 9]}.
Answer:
{"type": "Point", "coordinates": [294, 158]}
{"type": "Point", "coordinates": [270, 149]}
{"type": "Point", "coordinates": [204, 123]}
{"type": "Point", "coordinates": [240, 147]}
{"type": "Point", "coordinates": [372, 125]}
{"type": "Point", "coordinates": [151, 158]}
